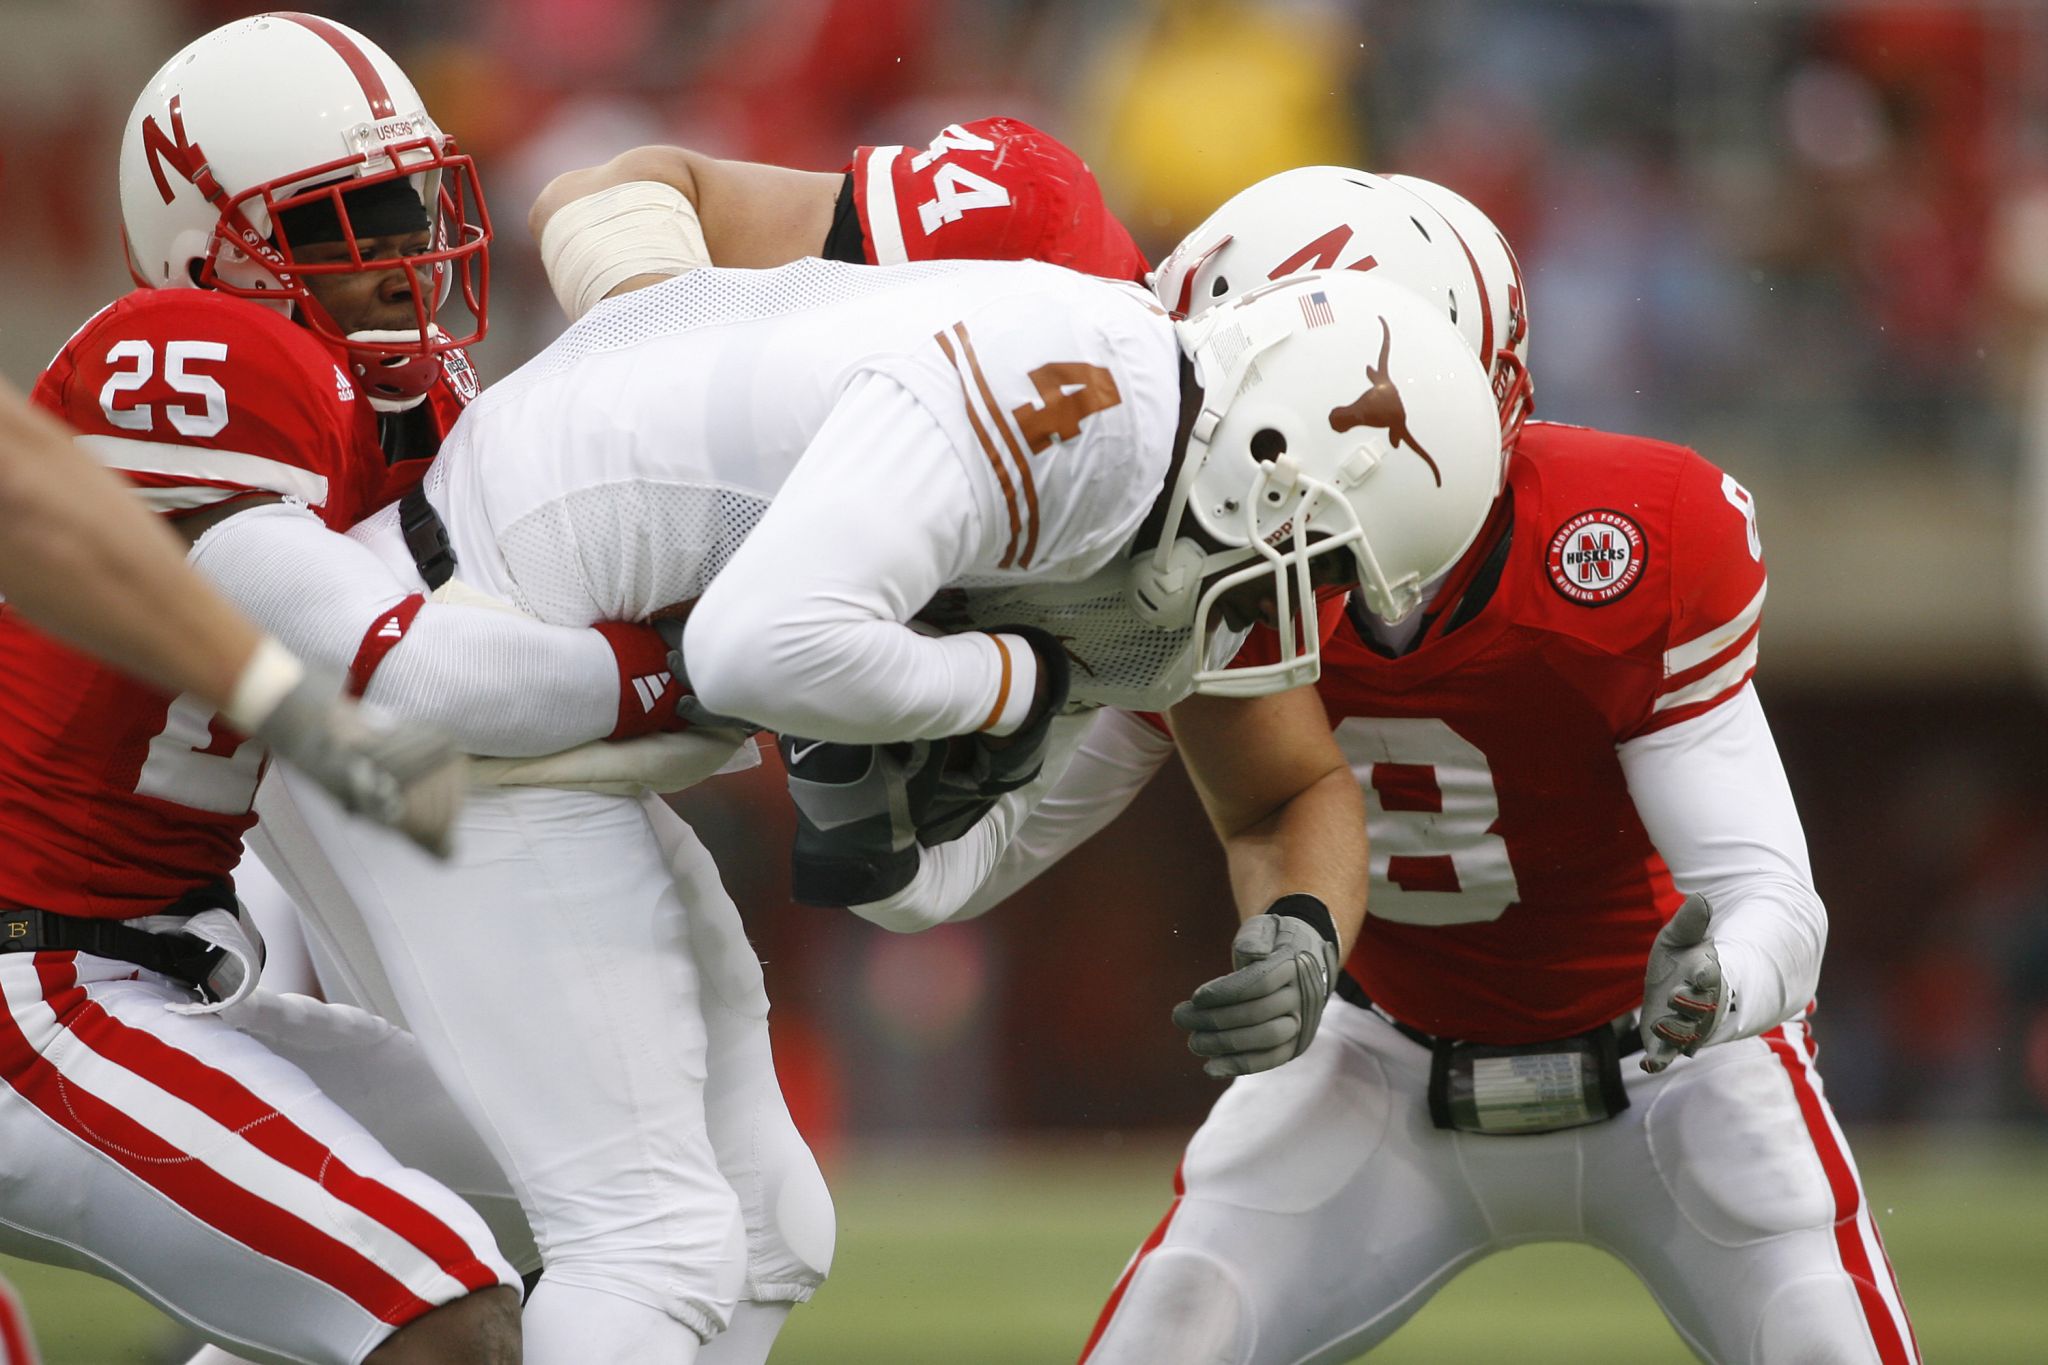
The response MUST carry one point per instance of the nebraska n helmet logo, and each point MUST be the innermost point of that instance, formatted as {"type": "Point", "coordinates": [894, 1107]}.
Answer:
{"type": "Point", "coordinates": [184, 156]}
{"type": "Point", "coordinates": [1381, 406]}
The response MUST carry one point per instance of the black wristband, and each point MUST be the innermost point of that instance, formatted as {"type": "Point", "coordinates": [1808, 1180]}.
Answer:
{"type": "Point", "coordinates": [844, 240]}
{"type": "Point", "coordinates": [1309, 911]}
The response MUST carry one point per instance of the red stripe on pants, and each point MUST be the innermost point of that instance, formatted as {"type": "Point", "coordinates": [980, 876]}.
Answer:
{"type": "Point", "coordinates": [17, 1343]}
{"type": "Point", "coordinates": [1848, 1198]}
{"type": "Point", "coordinates": [187, 1181]}
{"type": "Point", "coordinates": [1145, 1248]}
{"type": "Point", "coordinates": [229, 1103]}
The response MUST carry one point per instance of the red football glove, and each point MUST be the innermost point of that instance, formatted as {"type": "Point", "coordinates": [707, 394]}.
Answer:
{"type": "Point", "coordinates": [649, 691]}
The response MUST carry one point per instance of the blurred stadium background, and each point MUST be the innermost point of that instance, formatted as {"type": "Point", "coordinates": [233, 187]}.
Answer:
{"type": "Point", "coordinates": [1807, 237]}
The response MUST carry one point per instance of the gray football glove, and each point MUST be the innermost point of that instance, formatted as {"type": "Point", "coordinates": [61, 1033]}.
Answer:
{"type": "Point", "coordinates": [856, 840]}
{"type": "Point", "coordinates": [394, 772]}
{"type": "Point", "coordinates": [1265, 1012]}
{"type": "Point", "coordinates": [1683, 995]}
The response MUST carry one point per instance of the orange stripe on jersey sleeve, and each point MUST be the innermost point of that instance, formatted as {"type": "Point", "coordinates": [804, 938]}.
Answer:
{"type": "Point", "coordinates": [1002, 687]}
{"type": "Point", "coordinates": [988, 448]}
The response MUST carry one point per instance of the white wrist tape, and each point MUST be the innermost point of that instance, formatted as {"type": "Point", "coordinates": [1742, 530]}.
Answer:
{"type": "Point", "coordinates": [594, 244]}
{"type": "Point", "coordinates": [272, 671]}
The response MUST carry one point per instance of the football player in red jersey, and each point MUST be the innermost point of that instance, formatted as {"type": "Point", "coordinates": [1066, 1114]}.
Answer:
{"type": "Point", "coordinates": [1577, 1009]}
{"type": "Point", "coordinates": [296, 219]}
{"type": "Point", "coordinates": [82, 559]}
{"type": "Point", "coordinates": [993, 189]}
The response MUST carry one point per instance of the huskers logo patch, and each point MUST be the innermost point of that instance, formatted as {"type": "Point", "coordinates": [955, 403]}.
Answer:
{"type": "Point", "coordinates": [1596, 557]}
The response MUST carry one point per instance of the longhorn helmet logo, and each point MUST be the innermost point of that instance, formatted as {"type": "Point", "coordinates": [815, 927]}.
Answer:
{"type": "Point", "coordinates": [1381, 406]}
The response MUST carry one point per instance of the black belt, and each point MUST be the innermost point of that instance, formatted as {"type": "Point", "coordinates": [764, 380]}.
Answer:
{"type": "Point", "coordinates": [26, 930]}
{"type": "Point", "coordinates": [1629, 1040]}
{"type": "Point", "coordinates": [426, 537]}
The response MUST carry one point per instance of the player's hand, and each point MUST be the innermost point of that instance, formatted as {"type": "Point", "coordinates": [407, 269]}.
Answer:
{"type": "Point", "coordinates": [654, 691]}
{"type": "Point", "coordinates": [1683, 995]}
{"type": "Point", "coordinates": [976, 771]}
{"type": "Point", "coordinates": [393, 772]}
{"type": "Point", "coordinates": [1265, 1012]}
{"type": "Point", "coordinates": [856, 840]}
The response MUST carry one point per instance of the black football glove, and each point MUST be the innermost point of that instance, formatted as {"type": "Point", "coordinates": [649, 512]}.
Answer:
{"type": "Point", "coordinates": [979, 770]}
{"type": "Point", "coordinates": [856, 840]}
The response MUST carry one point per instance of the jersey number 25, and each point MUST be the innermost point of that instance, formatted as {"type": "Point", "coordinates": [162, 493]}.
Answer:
{"type": "Point", "coordinates": [138, 363]}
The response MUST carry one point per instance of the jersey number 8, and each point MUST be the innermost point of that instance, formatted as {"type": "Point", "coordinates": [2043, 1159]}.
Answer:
{"type": "Point", "coordinates": [1430, 809]}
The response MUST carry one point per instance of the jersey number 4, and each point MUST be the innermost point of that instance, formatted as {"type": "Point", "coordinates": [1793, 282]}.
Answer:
{"type": "Point", "coordinates": [1430, 808]}
{"type": "Point", "coordinates": [1068, 390]}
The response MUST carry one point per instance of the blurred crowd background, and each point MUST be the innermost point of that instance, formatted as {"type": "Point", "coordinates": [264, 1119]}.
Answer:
{"type": "Point", "coordinates": [1807, 237]}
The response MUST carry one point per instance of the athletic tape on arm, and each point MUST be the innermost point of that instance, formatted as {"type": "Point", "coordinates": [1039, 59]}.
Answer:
{"type": "Point", "coordinates": [593, 245]}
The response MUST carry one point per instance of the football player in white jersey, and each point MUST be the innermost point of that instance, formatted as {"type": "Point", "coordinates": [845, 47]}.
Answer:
{"type": "Point", "coordinates": [901, 506]}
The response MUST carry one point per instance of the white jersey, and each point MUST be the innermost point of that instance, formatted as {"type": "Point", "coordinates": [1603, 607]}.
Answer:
{"type": "Point", "coordinates": [618, 472]}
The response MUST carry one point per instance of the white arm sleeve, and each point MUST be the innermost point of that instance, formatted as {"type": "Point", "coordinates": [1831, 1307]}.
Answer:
{"type": "Point", "coordinates": [1093, 771]}
{"type": "Point", "coordinates": [1713, 796]}
{"type": "Point", "coordinates": [494, 682]}
{"type": "Point", "coordinates": [804, 629]}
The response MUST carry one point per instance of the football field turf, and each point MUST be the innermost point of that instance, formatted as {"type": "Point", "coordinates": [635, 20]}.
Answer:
{"type": "Point", "coordinates": [1001, 1257]}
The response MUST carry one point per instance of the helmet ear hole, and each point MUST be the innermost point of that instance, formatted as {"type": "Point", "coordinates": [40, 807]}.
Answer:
{"type": "Point", "coordinates": [1267, 444]}
{"type": "Point", "coordinates": [1220, 288]}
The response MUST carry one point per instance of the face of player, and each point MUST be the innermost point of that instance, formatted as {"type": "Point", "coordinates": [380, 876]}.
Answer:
{"type": "Point", "coordinates": [1253, 603]}
{"type": "Point", "coordinates": [369, 299]}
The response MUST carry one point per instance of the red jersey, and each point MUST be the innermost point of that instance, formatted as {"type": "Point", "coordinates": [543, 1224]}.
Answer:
{"type": "Point", "coordinates": [116, 798]}
{"type": "Point", "coordinates": [1515, 892]}
{"type": "Point", "coordinates": [995, 189]}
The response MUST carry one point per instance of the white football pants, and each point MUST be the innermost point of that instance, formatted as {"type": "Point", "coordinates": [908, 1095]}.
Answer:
{"type": "Point", "coordinates": [1319, 1209]}
{"type": "Point", "coordinates": [187, 1159]}
{"type": "Point", "coordinates": [582, 985]}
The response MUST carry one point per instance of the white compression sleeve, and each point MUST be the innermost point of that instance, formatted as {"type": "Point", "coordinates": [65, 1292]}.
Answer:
{"type": "Point", "coordinates": [804, 632]}
{"type": "Point", "coordinates": [1713, 796]}
{"type": "Point", "coordinates": [492, 681]}
{"type": "Point", "coordinates": [1119, 754]}
{"type": "Point", "coordinates": [1096, 767]}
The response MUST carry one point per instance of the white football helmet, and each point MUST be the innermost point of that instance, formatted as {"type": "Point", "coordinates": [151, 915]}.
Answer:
{"type": "Point", "coordinates": [1506, 354]}
{"type": "Point", "coordinates": [1332, 217]}
{"type": "Point", "coordinates": [1341, 413]}
{"type": "Point", "coordinates": [283, 112]}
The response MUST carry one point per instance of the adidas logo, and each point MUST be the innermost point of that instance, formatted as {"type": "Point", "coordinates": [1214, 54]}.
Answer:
{"type": "Point", "coordinates": [391, 629]}
{"type": "Point", "coordinates": [343, 390]}
{"type": "Point", "coordinates": [650, 688]}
